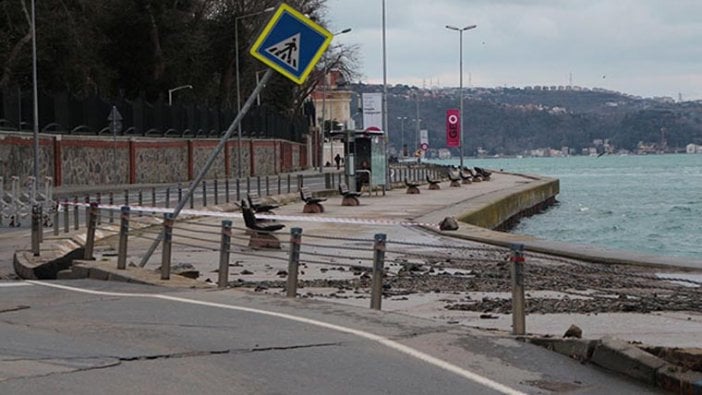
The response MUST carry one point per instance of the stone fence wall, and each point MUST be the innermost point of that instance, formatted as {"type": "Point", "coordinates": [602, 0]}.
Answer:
{"type": "Point", "coordinates": [91, 160]}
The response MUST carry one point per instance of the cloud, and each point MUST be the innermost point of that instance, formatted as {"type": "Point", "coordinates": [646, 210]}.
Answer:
{"type": "Point", "coordinates": [645, 47]}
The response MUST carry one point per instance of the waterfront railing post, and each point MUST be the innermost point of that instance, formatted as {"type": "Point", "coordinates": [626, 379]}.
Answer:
{"type": "Point", "coordinates": [289, 181]}
{"type": "Point", "coordinates": [98, 199]}
{"type": "Point", "coordinates": [90, 234]}
{"type": "Point", "coordinates": [140, 197]}
{"type": "Point", "coordinates": [57, 206]}
{"type": "Point", "coordinates": [35, 229]}
{"type": "Point", "coordinates": [279, 185]}
{"type": "Point", "coordinates": [123, 238]}
{"type": "Point", "coordinates": [517, 271]}
{"type": "Point", "coordinates": [248, 184]}
{"type": "Point", "coordinates": [378, 269]}
{"type": "Point", "coordinates": [204, 193]}
{"type": "Point", "coordinates": [76, 214]}
{"type": "Point", "coordinates": [258, 185]}
{"type": "Point", "coordinates": [112, 203]}
{"type": "Point", "coordinates": [167, 241]}
{"type": "Point", "coordinates": [180, 192]}
{"type": "Point", "coordinates": [153, 196]}
{"type": "Point", "coordinates": [224, 252]}
{"type": "Point", "coordinates": [126, 197]}
{"type": "Point", "coordinates": [168, 197]}
{"type": "Point", "coordinates": [66, 214]}
{"type": "Point", "coordinates": [226, 190]}
{"type": "Point", "coordinates": [87, 209]}
{"type": "Point", "coordinates": [294, 261]}
{"type": "Point", "coordinates": [268, 189]}
{"type": "Point", "coordinates": [238, 190]}
{"type": "Point", "coordinates": [216, 192]}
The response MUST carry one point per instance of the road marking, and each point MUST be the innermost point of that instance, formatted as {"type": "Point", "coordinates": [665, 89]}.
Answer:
{"type": "Point", "coordinates": [366, 335]}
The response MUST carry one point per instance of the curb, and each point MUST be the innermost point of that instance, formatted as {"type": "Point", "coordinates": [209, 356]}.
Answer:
{"type": "Point", "coordinates": [627, 359]}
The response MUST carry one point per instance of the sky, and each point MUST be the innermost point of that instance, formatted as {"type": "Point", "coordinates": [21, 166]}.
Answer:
{"type": "Point", "coordinates": [646, 48]}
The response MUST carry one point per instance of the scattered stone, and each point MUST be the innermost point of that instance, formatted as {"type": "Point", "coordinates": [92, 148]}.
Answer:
{"type": "Point", "coordinates": [246, 272]}
{"type": "Point", "coordinates": [282, 273]}
{"type": "Point", "coordinates": [260, 288]}
{"type": "Point", "coordinates": [488, 316]}
{"type": "Point", "coordinates": [185, 270]}
{"type": "Point", "coordinates": [574, 331]}
{"type": "Point", "coordinates": [448, 223]}
{"type": "Point", "coordinates": [323, 270]}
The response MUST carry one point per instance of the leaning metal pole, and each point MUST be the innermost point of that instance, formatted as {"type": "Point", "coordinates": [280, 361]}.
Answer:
{"type": "Point", "coordinates": [210, 161]}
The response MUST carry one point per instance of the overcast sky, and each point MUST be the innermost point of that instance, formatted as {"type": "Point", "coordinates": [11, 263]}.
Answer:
{"type": "Point", "coordinates": [642, 47]}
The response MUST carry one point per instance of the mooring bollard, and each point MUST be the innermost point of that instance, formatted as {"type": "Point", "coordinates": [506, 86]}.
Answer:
{"type": "Point", "coordinates": [167, 241]}
{"type": "Point", "coordinates": [294, 261]}
{"type": "Point", "coordinates": [517, 271]}
{"type": "Point", "coordinates": [90, 235]}
{"type": "Point", "coordinates": [36, 228]}
{"type": "Point", "coordinates": [378, 269]}
{"type": "Point", "coordinates": [224, 254]}
{"type": "Point", "coordinates": [123, 238]}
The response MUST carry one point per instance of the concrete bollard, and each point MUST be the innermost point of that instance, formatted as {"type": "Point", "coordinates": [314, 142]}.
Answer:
{"type": "Point", "coordinates": [294, 261]}
{"type": "Point", "coordinates": [90, 234]}
{"type": "Point", "coordinates": [378, 269]}
{"type": "Point", "coordinates": [517, 271]}
{"type": "Point", "coordinates": [36, 229]}
{"type": "Point", "coordinates": [123, 238]}
{"type": "Point", "coordinates": [224, 253]}
{"type": "Point", "coordinates": [167, 241]}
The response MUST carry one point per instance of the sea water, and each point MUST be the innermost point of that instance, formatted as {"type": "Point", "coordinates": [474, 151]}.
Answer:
{"type": "Point", "coordinates": [644, 203]}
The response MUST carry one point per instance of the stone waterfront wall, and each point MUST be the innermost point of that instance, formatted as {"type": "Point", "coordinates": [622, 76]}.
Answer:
{"type": "Point", "coordinates": [92, 160]}
{"type": "Point", "coordinates": [515, 203]}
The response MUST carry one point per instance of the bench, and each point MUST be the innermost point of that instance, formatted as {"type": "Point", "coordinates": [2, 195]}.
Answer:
{"type": "Point", "coordinates": [455, 179]}
{"type": "Point", "coordinates": [465, 176]}
{"type": "Point", "coordinates": [474, 175]}
{"type": "Point", "coordinates": [412, 187]}
{"type": "Point", "coordinates": [349, 198]}
{"type": "Point", "coordinates": [257, 204]}
{"type": "Point", "coordinates": [261, 235]}
{"type": "Point", "coordinates": [313, 205]}
{"type": "Point", "coordinates": [485, 174]}
{"type": "Point", "coordinates": [433, 184]}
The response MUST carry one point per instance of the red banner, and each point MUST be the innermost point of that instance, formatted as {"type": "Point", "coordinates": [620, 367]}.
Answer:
{"type": "Point", "coordinates": [453, 128]}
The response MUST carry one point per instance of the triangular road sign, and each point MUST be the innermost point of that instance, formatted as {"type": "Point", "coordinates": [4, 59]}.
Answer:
{"type": "Point", "coordinates": [287, 51]}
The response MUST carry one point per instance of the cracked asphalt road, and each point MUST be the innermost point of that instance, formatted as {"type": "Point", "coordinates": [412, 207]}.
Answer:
{"type": "Point", "coordinates": [68, 342]}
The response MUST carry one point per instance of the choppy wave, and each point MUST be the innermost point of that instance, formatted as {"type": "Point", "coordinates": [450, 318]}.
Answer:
{"type": "Point", "coordinates": [646, 203]}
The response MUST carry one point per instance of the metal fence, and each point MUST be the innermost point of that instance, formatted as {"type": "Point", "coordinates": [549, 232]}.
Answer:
{"type": "Point", "coordinates": [66, 114]}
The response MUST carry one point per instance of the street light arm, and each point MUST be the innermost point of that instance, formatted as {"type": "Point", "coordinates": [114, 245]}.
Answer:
{"type": "Point", "coordinates": [452, 28]}
{"type": "Point", "coordinates": [177, 88]}
{"type": "Point", "coordinates": [469, 27]}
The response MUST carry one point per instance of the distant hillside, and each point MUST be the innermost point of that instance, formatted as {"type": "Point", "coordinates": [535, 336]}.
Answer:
{"type": "Point", "coordinates": [510, 121]}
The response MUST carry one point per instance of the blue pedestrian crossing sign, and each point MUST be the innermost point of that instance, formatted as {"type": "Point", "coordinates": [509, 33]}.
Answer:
{"type": "Point", "coordinates": [291, 43]}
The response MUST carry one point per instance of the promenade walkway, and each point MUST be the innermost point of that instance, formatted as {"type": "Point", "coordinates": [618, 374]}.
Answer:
{"type": "Point", "coordinates": [383, 214]}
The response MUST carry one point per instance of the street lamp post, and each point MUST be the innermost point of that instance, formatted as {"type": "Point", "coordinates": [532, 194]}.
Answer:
{"type": "Point", "coordinates": [460, 90]}
{"type": "Point", "coordinates": [35, 99]}
{"type": "Point", "coordinates": [177, 88]}
{"type": "Point", "coordinates": [238, 86]}
{"type": "Point", "coordinates": [320, 140]}
{"type": "Point", "coordinates": [402, 135]}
